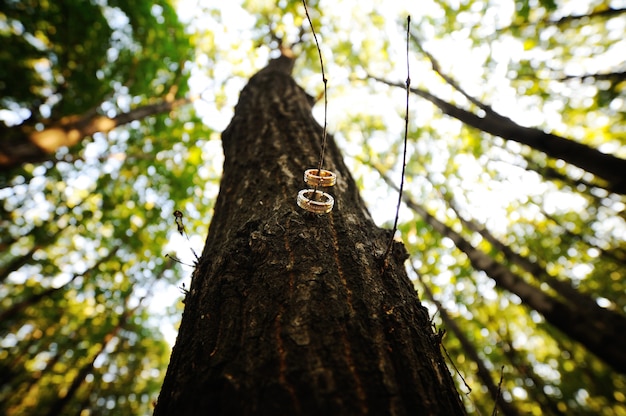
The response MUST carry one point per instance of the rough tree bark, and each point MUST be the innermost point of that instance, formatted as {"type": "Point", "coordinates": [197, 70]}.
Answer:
{"type": "Point", "coordinates": [289, 312]}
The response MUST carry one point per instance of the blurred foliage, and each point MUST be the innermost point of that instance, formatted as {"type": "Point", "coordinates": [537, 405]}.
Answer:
{"type": "Point", "coordinates": [85, 289]}
{"type": "Point", "coordinates": [85, 236]}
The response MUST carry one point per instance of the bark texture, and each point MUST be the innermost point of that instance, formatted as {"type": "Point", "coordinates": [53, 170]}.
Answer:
{"type": "Point", "coordinates": [289, 312]}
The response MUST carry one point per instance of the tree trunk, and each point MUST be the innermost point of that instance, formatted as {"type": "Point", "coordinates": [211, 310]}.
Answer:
{"type": "Point", "coordinates": [28, 257]}
{"type": "Point", "coordinates": [539, 391]}
{"type": "Point", "coordinates": [290, 312]}
{"type": "Point", "coordinates": [615, 254]}
{"type": "Point", "coordinates": [537, 269]}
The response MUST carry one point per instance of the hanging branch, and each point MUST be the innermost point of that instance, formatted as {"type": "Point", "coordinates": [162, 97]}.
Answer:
{"type": "Point", "coordinates": [526, 371]}
{"type": "Point", "coordinates": [70, 392]}
{"type": "Point", "coordinates": [499, 396]}
{"type": "Point", "coordinates": [566, 20]}
{"type": "Point", "coordinates": [406, 135]}
{"type": "Point", "coordinates": [325, 81]}
{"type": "Point", "coordinates": [32, 300]}
{"type": "Point", "coordinates": [22, 145]}
{"type": "Point", "coordinates": [536, 268]}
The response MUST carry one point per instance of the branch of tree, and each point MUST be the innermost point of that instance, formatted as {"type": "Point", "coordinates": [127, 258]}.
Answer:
{"type": "Point", "coordinates": [609, 76]}
{"type": "Point", "coordinates": [605, 166]}
{"type": "Point", "coordinates": [483, 372]}
{"type": "Point", "coordinates": [437, 68]}
{"type": "Point", "coordinates": [566, 20]}
{"type": "Point", "coordinates": [24, 144]}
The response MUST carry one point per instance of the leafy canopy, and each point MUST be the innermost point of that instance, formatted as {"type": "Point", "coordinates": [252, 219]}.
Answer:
{"type": "Point", "coordinates": [86, 233]}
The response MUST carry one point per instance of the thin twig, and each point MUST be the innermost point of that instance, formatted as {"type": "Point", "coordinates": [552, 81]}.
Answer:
{"type": "Point", "coordinates": [324, 133]}
{"type": "Point", "coordinates": [437, 68]}
{"type": "Point", "coordinates": [495, 405]}
{"type": "Point", "coordinates": [178, 215]}
{"type": "Point", "coordinates": [406, 135]}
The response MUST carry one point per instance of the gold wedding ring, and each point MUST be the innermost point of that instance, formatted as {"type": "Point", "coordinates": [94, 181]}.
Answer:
{"type": "Point", "coordinates": [317, 202]}
{"type": "Point", "coordinates": [319, 177]}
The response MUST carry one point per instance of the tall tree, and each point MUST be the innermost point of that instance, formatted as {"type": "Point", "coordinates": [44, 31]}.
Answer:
{"type": "Point", "coordinates": [290, 312]}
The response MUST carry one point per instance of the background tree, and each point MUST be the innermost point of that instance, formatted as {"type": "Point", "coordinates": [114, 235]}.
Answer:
{"type": "Point", "coordinates": [556, 67]}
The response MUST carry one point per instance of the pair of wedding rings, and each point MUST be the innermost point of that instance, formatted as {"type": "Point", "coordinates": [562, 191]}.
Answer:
{"type": "Point", "coordinates": [315, 201]}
